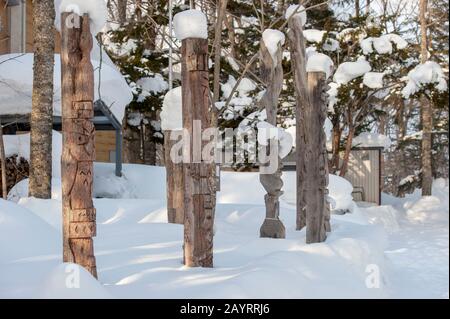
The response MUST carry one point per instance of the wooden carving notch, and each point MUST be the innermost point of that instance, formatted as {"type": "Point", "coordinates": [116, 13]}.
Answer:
{"type": "Point", "coordinates": [82, 230]}
{"type": "Point", "coordinates": [81, 110]}
{"type": "Point", "coordinates": [198, 62]}
{"type": "Point", "coordinates": [82, 215]}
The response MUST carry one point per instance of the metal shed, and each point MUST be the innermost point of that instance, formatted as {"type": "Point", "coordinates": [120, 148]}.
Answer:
{"type": "Point", "coordinates": [364, 173]}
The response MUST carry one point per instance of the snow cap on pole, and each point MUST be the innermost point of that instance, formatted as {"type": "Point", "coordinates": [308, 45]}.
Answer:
{"type": "Point", "coordinates": [96, 9]}
{"type": "Point", "coordinates": [190, 24]}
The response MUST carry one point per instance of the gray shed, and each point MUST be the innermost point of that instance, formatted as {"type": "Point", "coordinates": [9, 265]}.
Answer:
{"type": "Point", "coordinates": [364, 173]}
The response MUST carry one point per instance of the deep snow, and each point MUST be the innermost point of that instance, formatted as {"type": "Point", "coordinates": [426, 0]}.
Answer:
{"type": "Point", "coordinates": [418, 251]}
{"type": "Point", "coordinates": [139, 255]}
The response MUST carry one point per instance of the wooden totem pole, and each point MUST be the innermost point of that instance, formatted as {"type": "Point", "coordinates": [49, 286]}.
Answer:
{"type": "Point", "coordinates": [312, 160]}
{"type": "Point", "coordinates": [198, 174]}
{"type": "Point", "coordinates": [316, 157]}
{"type": "Point", "coordinates": [298, 58]}
{"type": "Point", "coordinates": [272, 75]}
{"type": "Point", "coordinates": [79, 222]}
{"type": "Point", "coordinates": [174, 180]}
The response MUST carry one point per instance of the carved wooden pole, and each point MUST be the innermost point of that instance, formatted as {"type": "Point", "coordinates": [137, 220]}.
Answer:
{"type": "Point", "coordinates": [298, 58]}
{"type": "Point", "coordinates": [272, 75]}
{"type": "Point", "coordinates": [313, 209]}
{"type": "Point", "coordinates": [175, 186]}
{"type": "Point", "coordinates": [3, 165]}
{"type": "Point", "coordinates": [317, 221]}
{"type": "Point", "coordinates": [199, 180]}
{"type": "Point", "coordinates": [79, 224]}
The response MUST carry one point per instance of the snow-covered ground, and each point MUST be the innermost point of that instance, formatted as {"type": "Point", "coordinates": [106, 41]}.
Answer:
{"type": "Point", "coordinates": [396, 250]}
{"type": "Point", "coordinates": [418, 249]}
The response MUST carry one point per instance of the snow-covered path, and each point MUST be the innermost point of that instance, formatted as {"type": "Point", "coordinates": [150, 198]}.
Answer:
{"type": "Point", "coordinates": [418, 251]}
{"type": "Point", "coordinates": [419, 246]}
{"type": "Point", "coordinates": [420, 261]}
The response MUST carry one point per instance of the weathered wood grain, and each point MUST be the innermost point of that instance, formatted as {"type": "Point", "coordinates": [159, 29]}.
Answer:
{"type": "Point", "coordinates": [174, 180]}
{"type": "Point", "coordinates": [198, 178]}
{"type": "Point", "coordinates": [313, 209]}
{"type": "Point", "coordinates": [315, 152]}
{"type": "Point", "coordinates": [79, 218]}
{"type": "Point", "coordinates": [271, 73]}
{"type": "Point", "coordinates": [298, 58]}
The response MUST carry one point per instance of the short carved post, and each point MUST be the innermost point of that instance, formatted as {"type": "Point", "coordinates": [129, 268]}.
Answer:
{"type": "Point", "coordinates": [272, 75]}
{"type": "Point", "coordinates": [79, 222]}
{"type": "Point", "coordinates": [174, 179]}
{"type": "Point", "coordinates": [199, 180]}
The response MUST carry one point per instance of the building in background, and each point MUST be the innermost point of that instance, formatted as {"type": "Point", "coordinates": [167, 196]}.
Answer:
{"type": "Point", "coordinates": [16, 36]}
{"type": "Point", "coordinates": [364, 172]}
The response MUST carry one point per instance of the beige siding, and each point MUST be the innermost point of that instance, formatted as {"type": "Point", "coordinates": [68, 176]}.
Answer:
{"type": "Point", "coordinates": [105, 145]}
{"type": "Point", "coordinates": [4, 28]}
{"type": "Point", "coordinates": [364, 174]}
{"type": "Point", "coordinates": [30, 34]}
{"type": "Point", "coordinates": [29, 26]}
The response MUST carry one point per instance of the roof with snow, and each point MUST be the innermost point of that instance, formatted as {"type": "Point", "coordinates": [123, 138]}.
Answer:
{"type": "Point", "coordinates": [16, 86]}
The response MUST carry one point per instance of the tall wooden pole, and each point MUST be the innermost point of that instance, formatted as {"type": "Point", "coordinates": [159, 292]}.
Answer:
{"type": "Point", "coordinates": [174, 172]}
{"type": "Point", "coordinates": [272, 74]}
{"type": "Point", "coordinates": [313, 210]}
{"type": "Point", "coordinates": [199, 180]}
{"type": "Point", "coordinates": [79, 222]}
{"type": "Point", "coordinates": [317, 218]}
{"type": "Point", "coordinates": [3, 165]}
{"type": "Point", "coordinates": [298, 57]}
{"type": "Point", "coordinates": [175, 186]}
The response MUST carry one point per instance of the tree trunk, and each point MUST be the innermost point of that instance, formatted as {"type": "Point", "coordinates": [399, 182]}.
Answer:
{"type": "Point", "coordinates": [231, 35]}
{"type": "Point", "coordinates": [41, 121]}
{"type": "Point", "coordinates": [122, 11]}
{"type": "Point", "coordinates": [357, 8]}
{"type": "Point", "coordinates": [272, 75]}
{"type": "Point", "coordinates": [79, 226]}
{"type": "Point", "coordinates": [199, 181]}
{"type": "Point", "coordinates": [138, 10]}
{"type": "Point", "coordinates": [174, 179]}
{"type": "Point", "coordinates": [382, 130]}
{"type": "Point", "coordinates": [3, 165]}
{"type": "Point", "coordinates": [348, 149]}
{"type": "Point", "coordinates": [221, 16]}
{"type": "Point", "coordinates": [426, 109]}
{"type": "Point", "coordinates": [132, 141]}
{"type": "Point", "coordinates": [298, 58]}
{"type": "Point", "coordinates": [337, 133]}
{"type": "Point", "coordinates": [399, 155]}
{"type": "Point", "coordinates": [221, 12]}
